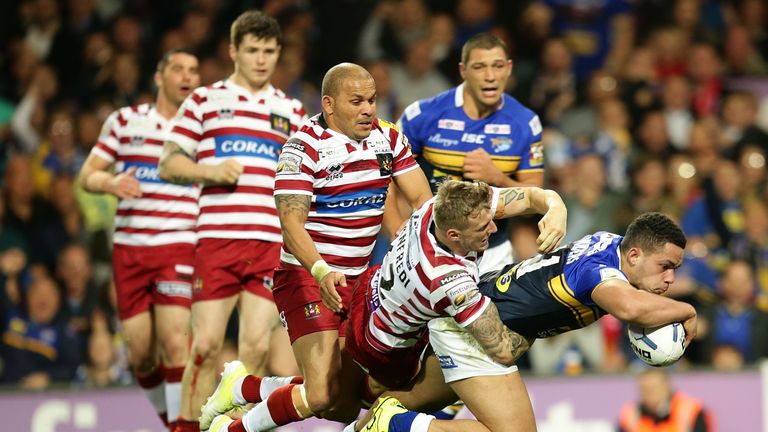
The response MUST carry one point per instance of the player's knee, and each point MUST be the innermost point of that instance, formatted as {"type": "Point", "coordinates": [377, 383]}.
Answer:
{"type": "Point", "coordinates": [206, 347]}
{"type": "Point", "coordinates": [175, 350]}
{"type": "Point", "coordinates": [321, 399]}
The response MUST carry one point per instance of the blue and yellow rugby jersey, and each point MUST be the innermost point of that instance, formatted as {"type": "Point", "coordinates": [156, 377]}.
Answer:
{"type": "Point", "coordinates": [441, 134]}
{"type": "Point", "coordinates": [552, 293]}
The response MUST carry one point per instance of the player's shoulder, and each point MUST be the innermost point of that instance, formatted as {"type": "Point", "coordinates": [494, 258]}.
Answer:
{"type": "Point", "coordinates": [280, 95]}
{"type": "Point", "coordinates": [425, 109]}
{"type": "Point", "coordinates": [449, 274]}
{"type": "Point", "coordinates": [516, 112]}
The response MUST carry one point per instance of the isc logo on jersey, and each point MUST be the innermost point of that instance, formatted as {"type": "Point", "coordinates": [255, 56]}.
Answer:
{"type": "Point", "coordinates": [236, 145]}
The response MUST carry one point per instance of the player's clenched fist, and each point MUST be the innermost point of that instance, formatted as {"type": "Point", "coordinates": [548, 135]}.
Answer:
{"type": "Point", "coordinates": [124, 185]}
{"type": "Point", "coordinates": [226, 172]}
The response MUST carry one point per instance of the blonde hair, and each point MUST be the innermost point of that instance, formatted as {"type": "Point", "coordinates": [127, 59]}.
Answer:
{"type": "Point", "coordinates": [457, 201]}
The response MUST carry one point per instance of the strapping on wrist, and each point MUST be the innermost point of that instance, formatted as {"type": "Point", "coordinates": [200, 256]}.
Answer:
{"type": "Point", "coordinates": [320, 269]}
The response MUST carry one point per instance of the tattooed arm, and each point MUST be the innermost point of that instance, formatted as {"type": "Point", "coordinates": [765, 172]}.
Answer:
{"type": "Point", "coordinates": [176, 166]}
{"type": "Point", "coordinates": [523, 200]}
{"type": "Point", "coordinates": [500, 343]}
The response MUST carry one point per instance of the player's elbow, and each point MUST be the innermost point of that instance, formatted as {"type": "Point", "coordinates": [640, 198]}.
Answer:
{"type": "Point", "coordinates": [628, 311]}
{"type": "Point", "coordinates": [504, 358]}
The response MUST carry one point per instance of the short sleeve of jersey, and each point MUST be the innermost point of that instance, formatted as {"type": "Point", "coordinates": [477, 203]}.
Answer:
{"type": "Point", "coordinates": [411, 124]}
{"type": "Point", "coordinates": [456, 294]}
{"type": "Point", "coordinates": [534, 159]}
{"type": "Point", "coordinates": [401, 150]}
{"type": "Point", "coordinates": [186, 128]}
{"type": "Point", "coordinates": [108, 143]}
{"type": "Point", "coordinates": [494, 199]}
{"type": "Point", "coordinates": [591, 277]}
{"type": "Point", "coordinates": [296, 166]}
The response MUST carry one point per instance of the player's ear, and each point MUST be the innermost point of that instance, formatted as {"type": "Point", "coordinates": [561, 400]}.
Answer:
{"type": "Point", "coordinates": [453, 234]}
{"type": "Point", "coordinates": [633, 255]}
{"type": "Point", "coordinates": [232, 51]}
{"type": "Point", "coordinates": [327, 103]}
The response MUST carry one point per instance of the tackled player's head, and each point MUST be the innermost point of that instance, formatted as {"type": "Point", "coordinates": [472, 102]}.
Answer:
{"type": "Point", "coordinates": [349, 100]}
{"type": "Point", "coordinates": [255, 41]}
{"type": "Point", "coordinates": [463, 212]}
{"type": "Point", "coordinates": [652, 249]}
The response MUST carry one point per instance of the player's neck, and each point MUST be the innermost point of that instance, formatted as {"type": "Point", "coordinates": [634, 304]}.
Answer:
{"type": "Point", "coordinates": [475, 110]}
{"type": "Point", "coordinates": [251, 87]}
{"type": "Point", "coordinates": [165, 107]}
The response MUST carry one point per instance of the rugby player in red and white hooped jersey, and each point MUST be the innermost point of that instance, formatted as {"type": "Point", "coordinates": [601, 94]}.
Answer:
{"type": "Point", "coordinates": [228, 137]}
{"type": "Point", "coordinates": [431, 272]}
{"type": "Point", "coordinates": [330, 189]}
{"type": "Point", "coordinates": [154, 236]}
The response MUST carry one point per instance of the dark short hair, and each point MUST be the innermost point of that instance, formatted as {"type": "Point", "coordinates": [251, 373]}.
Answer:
{"type": "Point", "coordinates": [482, 41]}
{"type": "Point", "coordinates": [651, 231]}
{"type": "Point", "coordinates": [170, 53]}
{"type": "Point", "coordinates": [256, 23]}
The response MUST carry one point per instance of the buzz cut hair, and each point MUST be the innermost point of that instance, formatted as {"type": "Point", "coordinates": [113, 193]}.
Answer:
{"type": "Point", "coordinates": [650, 232]}
{"type": "Point", "coordinates": [457, 201]}
{"type": "Point", "coordinates": [166, 58]}
{"type": "Point", "coordinates": [482, 41]}
{"type": "Point", "coordinates": [336, 76]}
{"type": "Point", "coordinates": [257, 23]}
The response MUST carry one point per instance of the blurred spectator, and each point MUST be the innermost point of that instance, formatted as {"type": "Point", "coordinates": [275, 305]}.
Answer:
{"type": "Point", "coordinates": [651, 138]}
{"type": "Point", "coordinates": [28, 122]}
{"type": "Point", "coordinates": [670, 48]}
{"type": "Point", "coordinates": [640, 82]}
{"type": "Point", "coordinates": [391, 28]}
{"type": "Point", "coordinates": [735, 321]}
{"type": "Point", "coordinates": [705, 68]}
{"type": "Point", "coordinates": [739, 129]}
{"type": "Point", "coordinates": [387, 106]}
{"type": "Point", "coordinates": [753, 246]}
{"type": "Point", "coordinates": [599, 33]}
{"type": "Point", "coordinates": [416, 77]}
{"type": "Point", "coordinates": [662, 408]}
{"type": "Point", "coordinates": [716, 217]}
{"type": "Point", "coordinates": [58, 154]}
{"type": "Point", "coordinates": [38, 346]}
{"type": "Point", "coordinates": [678, 118]}
{"type": "Point", "coordinates": [289, 77]}
{"type": "Point", "coordinates": [741, 55]}
{"type": "Point", "coordinates": [703, 146]}
{"type": "Point", "coordinates": [613, 142]}
{"type": "Point", "coordinates": [580, 123]}
{"type": "Point", "coordinates": [554, 89]}
{"type": "Point", "coordinates": [101, 368]}
{"type": "Point", "coordinates": [591, 206]}
{"type": "Point", "coordinates": [569, 353]}
{"type": "Point", "coordinates": [73, 271]}
{"type": "Point", "coordinates": [649, 191]}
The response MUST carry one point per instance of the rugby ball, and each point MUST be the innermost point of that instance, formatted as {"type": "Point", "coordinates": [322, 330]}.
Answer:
{"type": "Point", "coordinates": [658, 346]}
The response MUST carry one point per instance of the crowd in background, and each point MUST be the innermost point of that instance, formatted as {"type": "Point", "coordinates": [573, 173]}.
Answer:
{"type": "Point", "coordinates": [647, 105]}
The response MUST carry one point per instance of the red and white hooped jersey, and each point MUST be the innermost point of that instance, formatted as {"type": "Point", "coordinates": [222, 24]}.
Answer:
{"type": "Point", "coordinates": [133, 137]}
{"type": "Point", "coordinates": [348, 183]}
{"type": "Point", "coordinates": [421, 279]}
{"type": "Point", "coordinates": [225, 121]}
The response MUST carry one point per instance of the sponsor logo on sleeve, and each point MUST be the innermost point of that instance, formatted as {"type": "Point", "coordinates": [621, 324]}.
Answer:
{"type": "Point", "coordinates": [536, 155]}
{"type": "Point", "coordinates": [462, 294]}
{"type": "Point", "coordinates": [288, 164]}
{"type": "Point", "coordinates": [502, 283]}
{"type": "Point", "coordinates": [412, 111]}
{"type": "Point", "coordinates": [457, 125]}
{"type": "Point", "coordinates": [499, 129]}
{"type": "Point", "coordinates": [535, 125]}
{"type": "Point", "coordinates": [608, 273]}
{"type": "Point", "coordinates": [280, 123]}
{"type": "Point", "coordinates": [295, 144]}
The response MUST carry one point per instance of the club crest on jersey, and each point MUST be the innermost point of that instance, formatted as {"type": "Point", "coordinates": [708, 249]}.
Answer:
{"type": "Point", "coordinates": [197, 286]}
{"type": "Point", "coordinates": [311, 311]}
{"type": "Point", "coordinates": [457, 125]}
{"type": "Point", "coordinates": [137, 140]}
{"type": "Point", "coordinates": [501, 144]}
{"type": "Point", "coordinates": [269, 283]}
{"type": "Point", "coordinates": [280, 123]}
{"type": "Point", "coordinates": [385, 163]}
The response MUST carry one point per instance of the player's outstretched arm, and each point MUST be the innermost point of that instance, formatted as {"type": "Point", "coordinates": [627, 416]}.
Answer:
{"type": "Point", "coordinates": [500, 343]}
{"type": "Point", "coordinates": [176, 166]}
{"type": "Point", "coordinates": [95, 178]}
{"type": "Point", "coordinates": [293, 209]}
{"type": "Point", "coordinates": [414, 187]}
{"type": "Point", "coordinates": [525, 200]}
{"type": "Point", "coordinates": [643, 308]}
